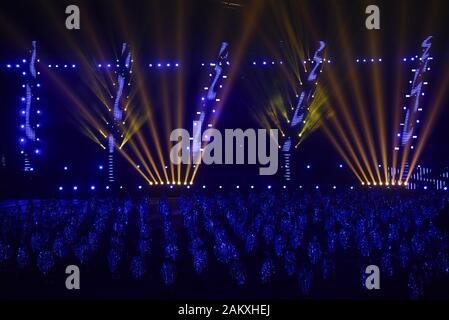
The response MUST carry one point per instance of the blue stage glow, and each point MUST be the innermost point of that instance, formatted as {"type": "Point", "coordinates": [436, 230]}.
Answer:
{"type": "Point", "coordinates": [37, 151]}
{"type": "Point", "coordinates": [140, 187]}
{"type": "Point", "coordinates": [61, 188]}
{"type": "Point", "coordinates": [66, 168]}
{"type": "Point", "coordinates": [269, 187]}
{"type": "Point", "coordinates": [92, 188]}
{"type": "Point", "coordinates": [100, 167]}
{"type": "Point", "coordinates": [308, 166]}
{"type": "Point", "coordinates": [75, 188]}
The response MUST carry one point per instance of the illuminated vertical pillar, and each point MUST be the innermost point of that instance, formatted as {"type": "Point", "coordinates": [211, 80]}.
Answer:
{"type": "Point", "coordinates": [30, 112]}
{"type": "Point", "coordinates": [296, 123]}
{"type": "Point", "coordinates": [116, 125]}
{"type": "Point", "coordinates": [412, 109]}
{"type": "Point", "coordinates": [208, 102]}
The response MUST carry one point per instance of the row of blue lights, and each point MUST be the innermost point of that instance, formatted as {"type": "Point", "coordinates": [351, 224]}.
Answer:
{"type": "Point", "coordinates": [94, 188]}
{"type": "Point", "coordinates": [101, 167]}
{"type": "Point", "coordinates": [204, 187]}
{"type": "Point", "coordinates": [177, 65]}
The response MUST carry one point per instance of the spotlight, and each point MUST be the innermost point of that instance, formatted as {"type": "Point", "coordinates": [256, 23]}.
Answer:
{"type": "Point", "coordinates": [8, 66]}
{"type": "Point", "coordinates": [308, 166]}
{"type": "Point", "coordinates": [220, 187]}
{"type": "Point", "coordinates": [425, 188]}
{"type": "Point", "coordinates": [171, 187]}
{"type": "Point", "coordinates": [340, 166]}
{"type": "Point", "coordinates": [61, 188]}
{"type": "Point", "coordinates": [107, 187]}
{"type": "Point", "coordinates": [188, 187]}
{"type": "Point", "coordinates": [334, 187]}
{"type": "Point", "coordinates": [237, 187]}
{"type": "Point", "coordinates": [317, 187]}
{"type": "Point", "coordinates": [66, 168]}
{"type": "Point", "coordinates": [140, 187]}
{"type": "Point", "coordinates": [204, 187]}
{"type": "Point", "coordinates": [445, 188]}
{"type": "Point", "coordinates": [92, 188]}
{"type": "Point", "coordinates": [252, 187]}
{"type": "Point", "coordinates": [100, 167]}
{"type": "Point", "coordinates": [269, 187]}
{"type": "Point", "coordinates": [75, 188]}
{"type": "Point", "coordinates": [352, 188]}
{"type": "Point", "coordinates": [285, 187]}
{"type": "Point", "coordinates": [37, 151]}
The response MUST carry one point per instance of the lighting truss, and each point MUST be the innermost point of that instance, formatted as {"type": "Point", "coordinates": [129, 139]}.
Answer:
{"type": "Point", "coordinates": [116, 132]}
{"type": "Point", "coordinates": [297, 121]}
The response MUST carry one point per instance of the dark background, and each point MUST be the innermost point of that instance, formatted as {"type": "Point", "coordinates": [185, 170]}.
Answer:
{"type": "Point", "coordinates": [151, 29]}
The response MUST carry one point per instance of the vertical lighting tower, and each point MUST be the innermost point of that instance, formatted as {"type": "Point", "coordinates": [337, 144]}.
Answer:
{"type": "Point", "coordinates": [208, 102]}
{"type": "Point", "coordinates": [30, 112]}
{"type": "Point", "coordinates": [296, 123]}
{"type": "Point", "coordinates": [411, 112]}
{"type": "Point", "coordinates": [116, 123]}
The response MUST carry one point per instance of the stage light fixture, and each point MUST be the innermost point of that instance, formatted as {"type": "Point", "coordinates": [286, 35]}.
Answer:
{"type": "Point", "coordinates": [92, 188]}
